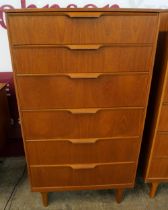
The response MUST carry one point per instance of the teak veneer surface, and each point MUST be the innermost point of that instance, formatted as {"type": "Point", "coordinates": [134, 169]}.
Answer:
{"type": "Point", "coordinates": [156, 134]}
{"type": "Point", "coordinates": [87, 150]}
{"type": "Point", "coordinates": [82, 79]}
{"type": "Point", "coordinates": [64, 29]}
{"type": "Point", "coordinates": [82, 93]}
{"type": "Point", "coordinates": [41, 59]}
{"type": "Point", "coordinates": [66, 124]}
{"type": "Point", "coordinates": [82, 175]}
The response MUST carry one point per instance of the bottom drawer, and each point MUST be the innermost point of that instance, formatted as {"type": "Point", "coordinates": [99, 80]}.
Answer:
{"type": "Point", "coordinates": [82, 175]}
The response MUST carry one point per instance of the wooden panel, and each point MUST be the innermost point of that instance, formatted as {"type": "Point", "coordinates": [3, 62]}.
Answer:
{"type": "Point", "coordinates": [64, 124]}
{"type": "Point", "coordinates": [48, 60]}
{"type": "Point", "coordinates": [151, 166]}
{"type": "Point", "coordinates": [80, 175]}
{"type": "Point", "coordinates": [161, 145]}
{"type": "Point", "coordinates": [54, 29]}
{"type": "Point", "coordinates": [166, 92]}
{"type": "Point", "coordinates": [163, 122]}
{"type": "Point", "coordinates": [159, 168]}
{"type": "Point", "coordinates": [82, 151]}
{"type": "Point", "coordinates": [65, 92]}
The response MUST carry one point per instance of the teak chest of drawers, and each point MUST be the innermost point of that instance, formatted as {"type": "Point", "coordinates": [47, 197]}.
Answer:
{"type": "Point", "coordinates": [156, 133]}
{"type": "Point", "coordinates": [82, 79]}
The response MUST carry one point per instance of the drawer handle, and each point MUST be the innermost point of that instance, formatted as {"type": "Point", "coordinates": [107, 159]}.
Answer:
{"type": "Point", "coordinates": [84, 14]}
{"type": "Point", "coordinates": [83, 141]}
{"type": "Point", "coordinates": [83, 111]}
{"type": "Point", "coordinates": [84, 75]}
{"type": "Point", "coordinates": [81, 167]}
{"type": "Point", "coordinates": [84, 47]}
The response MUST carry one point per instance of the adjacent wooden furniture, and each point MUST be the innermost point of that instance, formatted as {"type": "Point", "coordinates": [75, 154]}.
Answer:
{"type": "Point", "coordinates": [4, 116]}
{"type": "Point", "coordinates": [156, 133]}
{"type": "Point", "coordinates": [82, 79]}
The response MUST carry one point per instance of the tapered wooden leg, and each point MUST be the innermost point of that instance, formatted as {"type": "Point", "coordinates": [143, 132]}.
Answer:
{"type": "Point", "coordinates": [119, 195]}
{"type": "Point", "coordinates": [44, 196]}
{"type": "Point", "coordinates": [153, 189]}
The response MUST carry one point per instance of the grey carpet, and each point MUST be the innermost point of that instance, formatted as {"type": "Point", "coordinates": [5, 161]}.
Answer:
{"type": "Point", "coordinates": [134, 199]}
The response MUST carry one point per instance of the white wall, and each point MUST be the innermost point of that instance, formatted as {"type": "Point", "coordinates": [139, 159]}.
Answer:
{"type": "Point", "coordinates": [5, 63]}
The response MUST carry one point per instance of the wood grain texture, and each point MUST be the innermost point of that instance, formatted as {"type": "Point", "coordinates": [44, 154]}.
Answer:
{"type": "Point", "coordinates": [165, 100]}
{"type": "Point", "coordinates": [163, 125]}
{"type": "Point", "coordinates": [64, 92]}
{"type": "Point", "coordinates": [74, 151]}
{"type": "Point", "coordinates": [109, 58]}
{"type": "Point", "coordinates": [161, 145]}
{"type": "Point", "coordinates": [86, 75]}
{"type": "Point", "coordinates": [158, 169]}
{"type": "Point", "coordinates": [64, 124]}
{"type": "Point", "coordinates": [156, 164]}
{"type": "Point", "coordinates": [70, 176]}
{"type": "Point", "coordinates": [56, 29]}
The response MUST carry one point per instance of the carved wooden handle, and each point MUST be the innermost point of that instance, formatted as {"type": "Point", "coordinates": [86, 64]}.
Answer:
{"type": "Point", "coordinates": [83, 111]}
{"type": "Point", "coordinates": [83, 141]}
{"type": "Point", "coordinates": [83, 47]}
{"type": "Point", "coordinates": [84, 14]}
{"type": "Point", "coordinates": [83, 166]}
{"type": "Point", "coordinates": [84, 75]}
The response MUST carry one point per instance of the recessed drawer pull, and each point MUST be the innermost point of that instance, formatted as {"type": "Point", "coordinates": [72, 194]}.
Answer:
{"type": "Point", "coordinates": [81, 167]}
{"type": "Point", "coordinates": [84, 75]}
{"type": "Point", "coordinates": [83, 141]}
{"type": "Point", "coordinates": [83, 111]}
{"type": "Point", "coordinates": [84, 14]}
{"type": "Point", "coordinates": [83, 47]}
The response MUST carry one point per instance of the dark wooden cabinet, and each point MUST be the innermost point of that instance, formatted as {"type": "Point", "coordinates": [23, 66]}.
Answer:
{"type": "Point", "coordinates": [4, 117]}
{"type": "Point", "coordinates": [82, 79]}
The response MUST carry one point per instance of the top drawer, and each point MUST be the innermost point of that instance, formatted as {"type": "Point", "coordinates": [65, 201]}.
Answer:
{"type": "Point", "coordinates": [82, 28]}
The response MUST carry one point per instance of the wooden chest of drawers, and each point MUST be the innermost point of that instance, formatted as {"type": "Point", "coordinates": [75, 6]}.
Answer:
{"type": "Point", "coordinates": [156, 134]}
{"type": "Point", "coordinates": [82, 79]}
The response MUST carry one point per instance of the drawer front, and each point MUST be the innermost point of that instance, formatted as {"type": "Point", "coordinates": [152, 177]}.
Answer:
{"type": "Point", "coordinates": [161, 145]}
{"type": "Point", "coordinates": [82, 175]}
{"type": "Point", "coordinates": [163, 122]}
{"type": "Point", "coordinates": [66, 92]}
{"type": "Point", "coordinates": [82, 123]}
{"type": "Point", "coordinates": [50, 60]}
{"type": "Point", "coordinates": [166, 92]}
{"type": "Point", "coordinates": [159, 168]}
{"type": "Point", "coordinates": [56, 29]}
{"type": "Point", "coordinates": [75, 151]}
